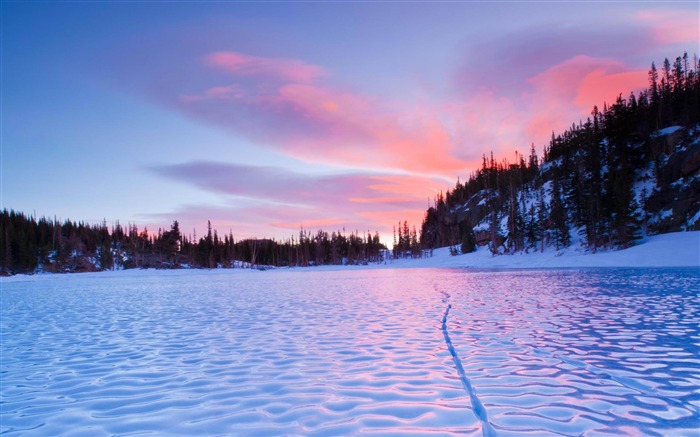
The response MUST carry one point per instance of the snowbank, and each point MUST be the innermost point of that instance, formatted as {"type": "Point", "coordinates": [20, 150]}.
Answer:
{"type": "Point", "coordinates": [679, 249]}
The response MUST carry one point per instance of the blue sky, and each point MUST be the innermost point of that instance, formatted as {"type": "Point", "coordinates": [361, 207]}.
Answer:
{"type": "Point", "coordinates": [264, 117]}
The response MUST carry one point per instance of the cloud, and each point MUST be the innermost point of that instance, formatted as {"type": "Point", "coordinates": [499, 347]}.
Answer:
{"type": "Point", "coordinates": [566, 93]}
{"type": "Point", "coordinates": [509, 92]}
{"type": "Point", "coordinates": [503, 94]}
{"type": "Point", "coordinates": [670, 26]}
{"type": "Point", "coordinates": [274, 184]}
{"type": "Point", "coordinates": [503, 65]}
{"type": "Point", "coordinates": [277, 198]}
{"type": "Point", "coordinates": [325, 124]}
{"type": "Point", "coordinates": [288, 70]}
{"type": "Point", "coordinates": [587, 81]}
{"type": "Point", "coordinates": [521, 86]}
{"type": "Point", "coordinates": [282, 104]}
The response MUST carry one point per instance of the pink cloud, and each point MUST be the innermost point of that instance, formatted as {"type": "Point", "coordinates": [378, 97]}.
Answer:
{"type": "Point", "coordinates": [328, 224]}
{"type": "Point", "coordinates": [601, 86]}
{"type": "Point", "coordinates": [389, 219]}
{"type": "Point", "coordinates": [290, 70]}
{"type": "Point", "coordinates": [513, 87]}
{"type": "Point", "coordinates": [222, 92]}
{"type": "Point", "coordinates": [278, 185]}
{"type": "Point", "coordinates": [384, 200]}
{"type": "Point", "coordinates": [671, 26]}
{"type": "Point", "coordinates": [193, 220]}
{"type": "Point", "coordinates": [588, 81]}
{"type": "Point", "coordinates": [565, 93]}
{"type": "Point", "coordinates": [280, 199]}
{"type": "Point", "coordinates": [326, 124]}
{"type": "Point", "coordinates": [299, 110]}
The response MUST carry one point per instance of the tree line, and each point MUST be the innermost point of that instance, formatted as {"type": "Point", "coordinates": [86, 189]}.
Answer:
{"type": "Point", "coordinates": [606, 180]}
{"type": "Point", "coordinates": [408, 244]}
{"type": "Point", "coordinates": [28, 245]}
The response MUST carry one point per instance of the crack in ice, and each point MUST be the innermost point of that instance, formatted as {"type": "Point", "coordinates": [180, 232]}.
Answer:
{"type": "Point", "coordinates": [486, 428]}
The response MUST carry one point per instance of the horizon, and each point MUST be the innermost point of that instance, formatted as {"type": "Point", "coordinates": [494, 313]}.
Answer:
{"type": "Point", "coordinates": [267, 118]}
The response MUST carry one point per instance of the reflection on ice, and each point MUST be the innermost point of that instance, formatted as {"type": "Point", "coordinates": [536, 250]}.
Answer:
{"type": "Point", "coordinates": [572, 352]}
{"type": "Point", "coordinates": [592, 352]}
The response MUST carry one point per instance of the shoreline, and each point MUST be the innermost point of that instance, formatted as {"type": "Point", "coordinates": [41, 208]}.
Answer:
{"type": "Point", "coordinates": [672, 250]}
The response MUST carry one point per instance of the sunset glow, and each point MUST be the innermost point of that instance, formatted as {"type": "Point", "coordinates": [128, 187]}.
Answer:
{"type": "Point", "coordinates": [267, 118]}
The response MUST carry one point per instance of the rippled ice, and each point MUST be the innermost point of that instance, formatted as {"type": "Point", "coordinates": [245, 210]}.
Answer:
{"type": "Point", "coordinates": [371, 352]}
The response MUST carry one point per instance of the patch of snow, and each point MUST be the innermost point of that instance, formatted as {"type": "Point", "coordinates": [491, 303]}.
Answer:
{"type": "Point", "coordinates": [549, 164]}
{"type": "Point", "coordinates": [666, 213]}
{"type": "Point", "coordinates": [667, 130]}
{"type": "Point", "coordinates": [547, 190]}
{"type": "Point", "coordinates": [679, 249]}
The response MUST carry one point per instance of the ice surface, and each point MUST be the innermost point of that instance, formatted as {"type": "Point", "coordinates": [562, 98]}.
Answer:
{"type": "Point", "coordinates": [313, 352]}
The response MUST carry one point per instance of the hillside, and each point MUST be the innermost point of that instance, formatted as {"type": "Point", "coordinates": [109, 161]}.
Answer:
{"type": "Point", "coordinates": [631, 169]}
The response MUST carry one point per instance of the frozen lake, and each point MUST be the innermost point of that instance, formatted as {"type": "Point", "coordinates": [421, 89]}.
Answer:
{"type": "Point", "coordinates": [352, 352]}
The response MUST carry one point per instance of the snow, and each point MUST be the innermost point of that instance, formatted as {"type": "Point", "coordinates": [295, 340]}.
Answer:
{"type": "Point", "coordinates": [447, 352]}
{"type": "Point", "coordinates": [694, 219]}
{"type": "Point", "coordinates": [668, 130]}
{"type": "Point", "coordinates": [679, 249]}
{"type": "Point", "coordinates": [665, 214]}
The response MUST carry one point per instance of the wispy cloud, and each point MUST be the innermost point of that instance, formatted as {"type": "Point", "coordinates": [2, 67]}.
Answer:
{"type": "Point", "coordinates": [284, 106]}
{"type": "Point", "coordinates": [290, 70]}
{"type": "Point", "coordinates": [566, 92]}
{"type": "Point", "coordinates": [280, 198]}
{"type": "Point", "coordinates": [670, 26]}
{"type": "Point", "coordinates": [507, 91]}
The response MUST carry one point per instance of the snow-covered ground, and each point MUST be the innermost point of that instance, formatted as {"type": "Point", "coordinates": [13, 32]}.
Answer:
{"type": "Point", "coordinates": [678, 249]}
{"type": "Point", "coordinates": [393, 352]}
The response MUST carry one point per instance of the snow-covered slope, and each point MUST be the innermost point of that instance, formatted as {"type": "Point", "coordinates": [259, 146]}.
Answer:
{"type": "Point", "coordinates": [678, 249]}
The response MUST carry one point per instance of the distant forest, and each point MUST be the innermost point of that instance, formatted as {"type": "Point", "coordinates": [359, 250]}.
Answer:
{"type": "Point", "coordinates": [29, 245]}
{"type": "Point", "coordinates": [632, 168]}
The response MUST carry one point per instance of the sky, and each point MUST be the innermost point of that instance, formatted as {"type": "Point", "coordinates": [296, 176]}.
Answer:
{"type": "Point", "coordinates": [265, 117]}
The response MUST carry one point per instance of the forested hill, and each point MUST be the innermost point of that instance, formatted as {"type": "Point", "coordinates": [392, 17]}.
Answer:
{"type": "Point", "coordinates": [632, 168]}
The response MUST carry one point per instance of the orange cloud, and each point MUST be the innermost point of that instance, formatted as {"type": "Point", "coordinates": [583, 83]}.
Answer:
{"type": "Point", "coordinates": [277, 198]}
{"type": "Point", "coordinates": [286, 108]}
{"type": "Point", "coordinates": [283, 105]}
{"type": "Point", "coordinates": [566, 92]}
{"type": "Point", "coordinates": [400, 184]}
{"type": "Point", "coordinates": [598, 86]}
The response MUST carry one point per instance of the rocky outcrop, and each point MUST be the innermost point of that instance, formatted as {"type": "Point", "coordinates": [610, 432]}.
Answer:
{"type": "Point", "coordinates": [675, 201]}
